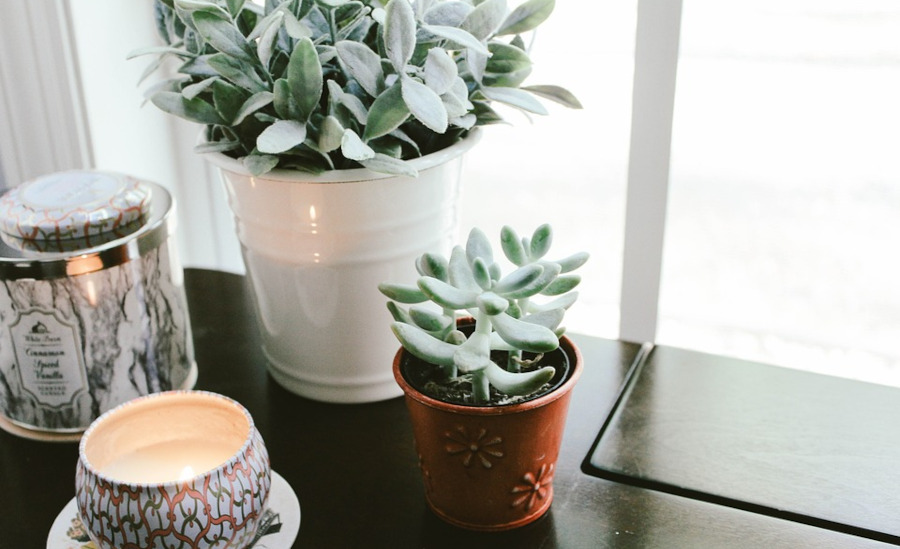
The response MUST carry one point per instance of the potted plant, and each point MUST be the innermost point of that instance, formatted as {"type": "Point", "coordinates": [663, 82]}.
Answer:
{"type": "Point", "coordinates": [487, 393]}
{"type": "Point", "coordinates": [338, 127]}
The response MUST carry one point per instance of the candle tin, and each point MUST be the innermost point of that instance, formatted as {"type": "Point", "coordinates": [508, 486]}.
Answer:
{"type": "Point", "coordinates": [92, 305]}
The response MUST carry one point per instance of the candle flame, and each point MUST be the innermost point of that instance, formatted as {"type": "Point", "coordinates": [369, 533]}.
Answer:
{"type": "Point", "coordinates": [187, 473]}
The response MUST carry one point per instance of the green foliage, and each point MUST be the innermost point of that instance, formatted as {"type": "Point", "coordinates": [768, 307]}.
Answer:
{"type": "Point", "coordinates": [506, 316]}
{"type": "Point", "coordinates": [317, 85]}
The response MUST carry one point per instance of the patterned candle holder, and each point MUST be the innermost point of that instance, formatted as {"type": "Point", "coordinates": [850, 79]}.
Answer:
{"type": "Point", "coordinates": [184, 469]}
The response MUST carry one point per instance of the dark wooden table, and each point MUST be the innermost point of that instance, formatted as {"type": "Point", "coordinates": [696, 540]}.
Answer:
{"type": "Point", "coordinates": [354, 469]}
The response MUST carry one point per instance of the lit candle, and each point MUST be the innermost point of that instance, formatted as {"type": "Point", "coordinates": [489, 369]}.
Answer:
{"type": "Point", "coordinates": [186, 451]}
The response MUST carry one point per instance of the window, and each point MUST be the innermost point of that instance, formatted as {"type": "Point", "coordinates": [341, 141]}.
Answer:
{"type": "Point", "coordinates": [784, 202]}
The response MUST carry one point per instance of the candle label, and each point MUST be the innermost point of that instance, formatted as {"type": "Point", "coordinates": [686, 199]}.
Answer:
{"type": "Point", "coordinates": [48, 354]}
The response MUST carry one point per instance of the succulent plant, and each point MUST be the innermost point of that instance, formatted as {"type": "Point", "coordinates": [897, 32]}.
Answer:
{"type": "Point", "coordinates": [318, 85]}
{"type": "Point", "coordinates": [506, 316]}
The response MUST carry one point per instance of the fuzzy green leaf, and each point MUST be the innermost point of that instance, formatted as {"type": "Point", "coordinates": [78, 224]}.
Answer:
{"type": "Point", "coordinates": [525, 335]}
{"type": "Point", "coordinates": [236, 72]}
{"type": "Point", "coordinates": [423, 345]}
{"type": "Point", "coordinates": [440, 71]}
{"type": "Point", "coordinates": [485, 19]}
{"type": "Point", "coordinates": [193, 90]}
{"type": "Point", "coordinates": [450, 14]}
{"type": "Point", "coordinates": [223, 36]}
{"type": "Point", "coordinates": [304, 74]}
{"type": "Point", "coordinates": [352, 147]}
{"type": "Point", "coordinates": [446, 295]}
{"type": "Point", "coordinates": [459, 36]}
{"type": "Point", "coordinates": [388, 112]}
{"type": "Point", "coordinates": [265, 47]}
{"type": "Point", "coordinates": [508, 66]}
{"type": "Point", "coordinates": [363, 64]}
{"type": "Point", "coordinates": [527, 16]}
{"type": "Point", "coordinates": [403, 293]}
{"type": "Point", "coordinates": [283, 100]}
{"type": "Point", "coordinates": [258, 164]}
{"type": "Point", "coordinates": [399, 33]}
{"type": "Point", "coordinates": [195, 110]}
{"type": "Point", "coordinates": [331, 134]}
{"type": "Point", "coordinates": [424, 104]}
{"type": "Point", "coordinates": [555, 93]}
{"type": "Point", "coordinates": [515, 98]}
{"type": "Point", "coordinates": [216, 146]}
{"type": "Point", "coordinates": [281, 136]}
{"type": "Point", "coordinates": [349, 101]}
{"type": "Point", "coordinates": [388, 164]}
{"type": "Point", "coordinates": [251, 105]}
{"type": "Point", "coordinates": [523, 383]}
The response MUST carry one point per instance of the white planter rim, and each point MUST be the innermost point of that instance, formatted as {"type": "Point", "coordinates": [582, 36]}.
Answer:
{"type": "Point", "coordinates": [355, 175]}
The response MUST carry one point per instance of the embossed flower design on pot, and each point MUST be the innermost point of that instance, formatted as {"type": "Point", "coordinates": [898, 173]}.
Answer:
{"type": "Point", "coordinates": [533, 487]}
{"type": "Point", "coordinates": [477, 446]}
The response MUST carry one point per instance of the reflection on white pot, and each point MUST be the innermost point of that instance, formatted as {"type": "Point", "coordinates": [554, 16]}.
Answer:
{"type": "Point", "coordinates": [316, 248]}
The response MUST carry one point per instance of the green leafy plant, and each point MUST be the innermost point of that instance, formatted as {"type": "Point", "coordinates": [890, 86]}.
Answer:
{"type": "Point", "coordinates": [506, 315]}
{"type": "Point", "coordinates": [318, 85]}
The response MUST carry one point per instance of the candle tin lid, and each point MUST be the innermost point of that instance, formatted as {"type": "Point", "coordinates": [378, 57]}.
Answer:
{"type": "Point", "coordinates": [76, 208]}
{"type": "Point", "coordinates": [76, 222]}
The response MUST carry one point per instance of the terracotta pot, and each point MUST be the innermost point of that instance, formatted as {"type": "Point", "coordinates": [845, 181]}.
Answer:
{"type": "Point", "coordinates": [489, 467]}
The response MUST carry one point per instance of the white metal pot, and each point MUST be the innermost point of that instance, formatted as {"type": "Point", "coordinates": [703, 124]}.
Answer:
{"type": "Point", "coordinates": [316, 248]}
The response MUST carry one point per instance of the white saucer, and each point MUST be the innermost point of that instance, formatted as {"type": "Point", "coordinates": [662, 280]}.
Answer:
{"type": "Point", "coordinates": [67, 532]}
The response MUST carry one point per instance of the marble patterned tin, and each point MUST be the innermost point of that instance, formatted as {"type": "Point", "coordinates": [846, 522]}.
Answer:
{"type": "Point", "coordinates": [92, 305]}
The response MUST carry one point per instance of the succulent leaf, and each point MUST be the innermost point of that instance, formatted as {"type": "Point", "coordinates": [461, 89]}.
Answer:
{"type": "Point", "coordinates": [548, 275]}
{"type": "Point", "coordinates": [429, 320]}
{"type": "Point", "coordinates": [423, 345]}
{"type": "Point", "coordinates": [541, 240]}
{"type": "Point", "coordinates": [446, 295]}
{"type": "Point", "coordinates": [402, 293]}
{"type": "Point", "coordinates": [460, 274]}
{"type": "Point", "coordinates": [477, 246]}
{"type": "Point", "coordinates": [525, 335]}
{"type": "Point", "coordinates": [562, 302]}
{"type": "Point", "coordinates": [433, 265]}
{"type": "Point", "coordinates": [492, 304]}
{"type": "Point", "coordinates": [518, 383]}
{"type": "Point", "coordinates": [512, 246]}
{"type": "Point", "coordinates": [573, 261]}
{"type": "Point", "coordinates": [481, 273]}
{"type": "Point", "coordinates": [550, 319]}
{"type": "Point", "coordinates": [562, 284]}
{"type": "Point", "coordinates": [518, 279]}
{"type": "Point", "coordinates": [474, 354]}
